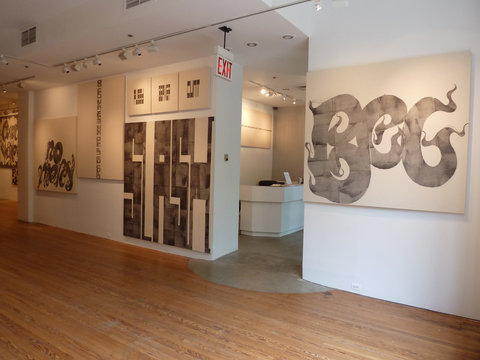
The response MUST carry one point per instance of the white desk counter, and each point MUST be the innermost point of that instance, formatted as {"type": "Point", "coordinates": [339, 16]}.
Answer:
{"type": "Point", "coordinates": [271, 210]}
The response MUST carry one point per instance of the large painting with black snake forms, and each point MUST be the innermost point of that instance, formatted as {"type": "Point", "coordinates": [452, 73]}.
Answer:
{"type": "Point", "coordinates": [392, 134]}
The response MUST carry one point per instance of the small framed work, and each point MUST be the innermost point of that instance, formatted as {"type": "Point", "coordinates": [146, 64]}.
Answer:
{"type": "Point", "coordinates": [194, 89]}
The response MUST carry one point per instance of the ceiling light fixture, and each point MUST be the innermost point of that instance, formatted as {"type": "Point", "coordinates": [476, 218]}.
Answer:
{"type": "Point", "coordinates": [97, 61]}
{"type": "Point", "coordinates": [4, 89]}
{"type": "Point", "coordinates": [288, 37]}
{"type": "Point", "coordinates": [124, 55]}
{"type": "Point", "coordinates": [152, 47]}
{"type": "Point", "coordinates": [65, 70]}
{"type": "Point", "coordinates": [75, 66]}
{"type": "Point", "coordinates": [85, 63]}
{"type": "Point", "coordinates": [3, 60]}
{"type": "Point", "coordinates": [152, 41]}
{"type": "Point", "coordinates": [263, 91]}
{"type": "Point", "coordinates": [137, 51]}
{"type": "Point", "coordinates": [252, 44]}
{"type": "Point", "coordinates": [21, 84]}
{"type": "Point", "coordinates": [318, 5]}
{"type": "Point", "coordinates": [294, 101]}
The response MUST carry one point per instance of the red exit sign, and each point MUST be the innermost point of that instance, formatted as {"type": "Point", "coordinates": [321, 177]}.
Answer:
{"type": "Point", "coordinates": [224, 64]}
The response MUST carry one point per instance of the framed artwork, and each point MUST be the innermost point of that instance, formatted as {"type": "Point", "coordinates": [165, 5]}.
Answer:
{"type": "Point", "coordinates": [167, 182]}
{"type": "Point", "coordinates": [8, 141]}
{"type": "Point", "coordinates": [139, 96]}
{"type": "Point", "coordinates": [194, 89]}
{"type": "Point", "coordinates": [390, 135]}
{"type": "Point", "coordinates": [56, 155]}
{"type": "Point", "coordinates": [165, 93]}
{"type": "Point", "coordinates": [101, 116]}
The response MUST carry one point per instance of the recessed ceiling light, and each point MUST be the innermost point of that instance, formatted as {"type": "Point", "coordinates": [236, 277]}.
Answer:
{"type": "Point", "coordinates": [288, 37]}
{"type": "Point", "coordinates": [252, 44]}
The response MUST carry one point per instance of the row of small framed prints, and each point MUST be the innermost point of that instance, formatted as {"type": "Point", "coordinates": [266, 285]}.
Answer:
{"type": "Point", "coordinates": [179, 91]}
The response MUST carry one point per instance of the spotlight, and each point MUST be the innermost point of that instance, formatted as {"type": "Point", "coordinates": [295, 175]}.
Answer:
{"type": "Point", "coordinates": [3, 61]}
{"type": "Point", "coordinates": [284, 97]}
{"type": "Point", "coordinates": [65, 70]}
{"type": "Point", "coordinates": [263, 91]}
{"type": "Point", "coordinates": [21, 84]}
{"type": "Point", "coordinates": [270, 93]}
{"type": "Point", "coordinates": [294, 101]}
{"type": "Point", "coordinates": [85, 63]}
{"type": "Point", "coordinates": [137, 51]}
{"type": "Point", "coordinates": [4, 90]}
{"type": "Point", "coordinates": [123, 55]}
{"type": "Point", "coordinates": [152, 47]}
{"type": "Point", "coordinates": [97, 61]}
{"type": "Point", "coordinates": [318, 5]}
{"type": "Point", "coordinates": [75, 66]}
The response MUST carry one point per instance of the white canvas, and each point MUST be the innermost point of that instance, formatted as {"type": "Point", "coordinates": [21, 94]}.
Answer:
{"type": "Point", "coordinates": [392, 134]}
{"type": "Point", "coordinates": [56, 155]}
{"type": "Point", "coordinates": [165, 93]}
{"type": "Point", "coordinates": [194, 89]}
{"type": "Point", "coordinates": [139, 96]}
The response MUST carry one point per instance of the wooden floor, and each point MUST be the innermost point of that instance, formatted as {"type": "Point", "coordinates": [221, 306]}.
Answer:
{"type": "Point", "coordinates": [65, 295]}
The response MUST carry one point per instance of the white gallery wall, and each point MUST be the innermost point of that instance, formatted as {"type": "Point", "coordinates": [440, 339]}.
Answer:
{"type": "Point", "coordinates": [97, 208]}
{"type": "Point", "coordinates": [8, 191]}
{"type": "Point", "coordinates": [255, 163]}
{"type": "Point", "coordinates": [429, 260]}
{"type": "Point", "coordinates": [288, 142]}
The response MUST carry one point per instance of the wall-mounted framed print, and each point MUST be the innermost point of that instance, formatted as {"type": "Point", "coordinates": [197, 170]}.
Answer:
{"type": "Point", "coordinates": [390, 135]}
{"type": "Point", "coordinates": [139, 96]}
{"type": "Point", "coordinates": [56, 155]}
{"type": "Point", "coordinates": [165, 93]}
{"type": "Point", "coordinates": [101, 117]}
{"type": "Point", "coordinates": [8, 141]}
{"type": "Point", "coordinates": [194, 89]}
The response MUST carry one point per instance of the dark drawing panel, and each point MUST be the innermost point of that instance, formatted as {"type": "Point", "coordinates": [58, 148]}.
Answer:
{"type": "Point", "coordinates": [167, 148]}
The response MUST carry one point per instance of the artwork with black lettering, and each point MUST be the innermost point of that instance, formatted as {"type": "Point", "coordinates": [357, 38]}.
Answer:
{"type": "Point", "coordinates": [167, 182]}
{"type": "Point", "coordinates": [194, 89]}
{"type": "Point", "coordinates": [101, 118]}
{"type": "Point", "coordinates": [396, 136]}
{"type": "Point", "coordinates": [340, 161]}
{"type": "Point", "coordinates": [55, 157]}
{"type": "Point", "coordinates": [56, 171]}
{"type": "Point", "coordinates": [8, 141]}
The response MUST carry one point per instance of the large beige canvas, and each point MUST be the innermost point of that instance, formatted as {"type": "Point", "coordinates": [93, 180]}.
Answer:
{"type": "Point", "coordinates": [165, 93]}
{"type": "Point", "coordinates": [101, 116]}
{"type": "Point", "coordinates": [139, 96]}
{"type": "Point", "coordinates": [56, 155]}
{"type": "Point", "coordinates": [256, 128]}
{"type": "Point", "coordinates": [194, 89]}
{"type": "Point", "coordinates": [391, 134]}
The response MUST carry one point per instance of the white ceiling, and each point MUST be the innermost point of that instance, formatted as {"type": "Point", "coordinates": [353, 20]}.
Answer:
{"type": "Point", "coordinates": [70, 30]}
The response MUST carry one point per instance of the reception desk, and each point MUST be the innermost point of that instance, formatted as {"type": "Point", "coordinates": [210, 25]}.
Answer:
{"type": "Point", "coordinates": [272, 211]}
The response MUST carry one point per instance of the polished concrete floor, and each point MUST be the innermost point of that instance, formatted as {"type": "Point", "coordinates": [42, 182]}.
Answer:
{"type": "Point", "coordinates": [260, 264]}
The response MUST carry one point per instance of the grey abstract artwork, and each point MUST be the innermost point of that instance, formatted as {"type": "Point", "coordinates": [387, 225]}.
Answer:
{"type": "Point", "coordinates": [167, 182]}
{"type": "Point", "coordinates": [344, 137]}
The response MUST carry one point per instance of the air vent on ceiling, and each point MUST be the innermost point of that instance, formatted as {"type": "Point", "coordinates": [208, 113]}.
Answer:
{"type": "Point", "coordinates": [132, 3]}
{"type": "Point", "coordinates": [29, 36]}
